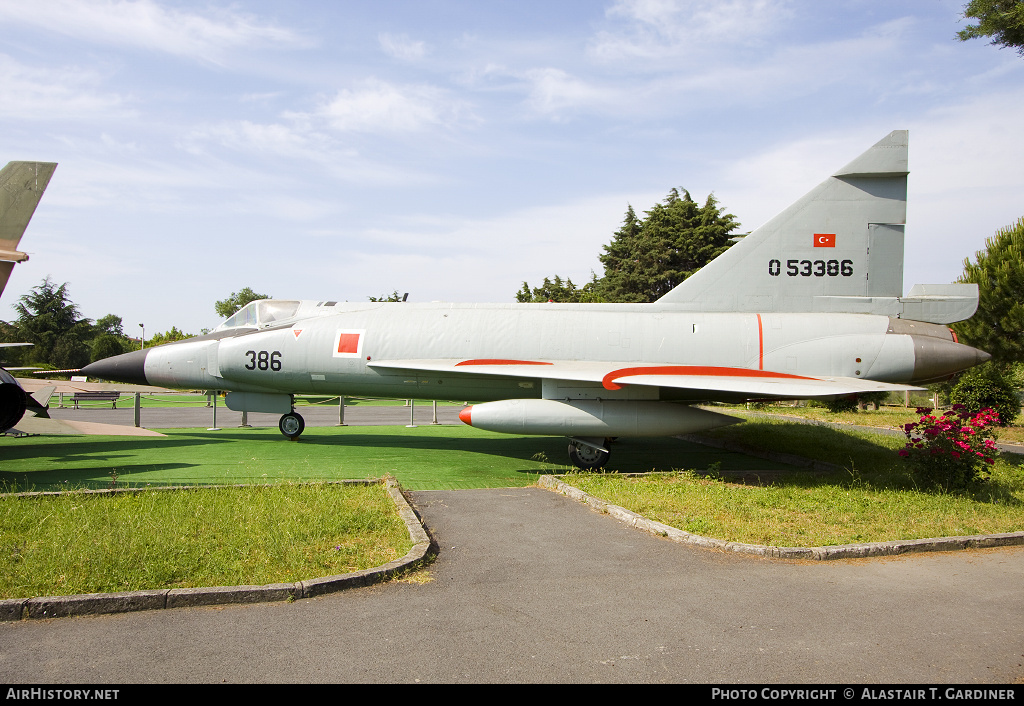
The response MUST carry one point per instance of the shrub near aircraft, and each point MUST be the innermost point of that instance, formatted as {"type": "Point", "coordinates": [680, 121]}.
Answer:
{"type": "Point", "coordinates": [808, 305]}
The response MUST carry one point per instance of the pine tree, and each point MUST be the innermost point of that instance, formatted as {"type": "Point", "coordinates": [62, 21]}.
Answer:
{"type": "Point", "coordinates": [1001, 20]}
{"type": "Point", "coordinates": [561, 291]}
{"type": "Point", "coordinates": [998, 325]}
{"type": "Point", "coordinates": [626, 263]}
{"type": "Point", "coordinates": [48, 319]}
{"type": "Point", "coordinates": [648, 257]}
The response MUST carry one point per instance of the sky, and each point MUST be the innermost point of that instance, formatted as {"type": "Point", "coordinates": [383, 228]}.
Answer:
{"type": "Point", "coordinates": [453, 149]}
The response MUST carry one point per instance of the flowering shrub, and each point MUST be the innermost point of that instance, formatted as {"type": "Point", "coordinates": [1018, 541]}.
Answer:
{"type": "Point", "coordinates": [951, 452]}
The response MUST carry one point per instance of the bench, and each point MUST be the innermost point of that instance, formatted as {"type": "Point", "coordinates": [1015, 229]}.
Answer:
{"type": "Point", "coordinates": [96, 397]}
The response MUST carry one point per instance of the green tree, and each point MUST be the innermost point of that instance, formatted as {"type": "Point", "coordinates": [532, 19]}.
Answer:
{"type": "Point", "coordinates": [105, 345]}
{"type": "Point", "coordinates": [1000, 20]}
{"type": "Point", "coordinates": [111, 323]}
{"type": "Point", "coordinates": [170, 336]}
{"type": "Point", "coordinates": [393, 297]}
{"type": "Point", "coordinates": [109, 338]}
{"type": "Point", "coordinates": [48, 319]}
{"type": "Point", "coordinates": [987, 386]}
{"type": "Point", "coordinates": [998, 325]}
{"type": "Point", "coordinates": [228, 307]}
{"type": "Point", "coordinates": [648, 257]}
{"type": "Point", "coordinates": [629, 262]}
{"type": "Point", "coordinates": [558, 290]}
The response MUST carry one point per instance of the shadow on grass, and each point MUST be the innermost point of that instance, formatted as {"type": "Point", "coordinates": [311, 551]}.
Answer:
{"type": "Point", "coordinates": [449, 454]}
{"type": "Point", "coordinates": [869, 460]}
{"type": "Point", "coordinates": [75, 477]}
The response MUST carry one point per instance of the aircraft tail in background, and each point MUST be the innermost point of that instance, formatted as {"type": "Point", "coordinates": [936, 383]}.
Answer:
{"type": "Point", "coordinates": [21, 186]}
{"type": "Point", "coordinates": [837, 249]}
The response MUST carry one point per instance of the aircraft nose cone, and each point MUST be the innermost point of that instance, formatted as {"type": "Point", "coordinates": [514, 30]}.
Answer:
{"type": "Point", "coordinates": [127, 367]}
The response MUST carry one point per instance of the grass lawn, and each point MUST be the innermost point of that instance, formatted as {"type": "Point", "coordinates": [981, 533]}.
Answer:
{"type": "Point", "coordinates": [872, 499]}
{"type": "Point", "coordinates": [886, 417]}
{"type": "Point", "coordinates": [98, 543]}
{"type": "Point", "coordinates": [423, 458]}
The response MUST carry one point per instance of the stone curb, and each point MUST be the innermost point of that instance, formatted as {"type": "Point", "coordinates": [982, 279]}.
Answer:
{"type": "Point", "coordinates": [843, 551]}
{"type": "Point", "coordinates": [128, 601]}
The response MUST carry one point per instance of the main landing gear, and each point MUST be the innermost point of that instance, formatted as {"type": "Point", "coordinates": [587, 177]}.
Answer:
{"type": "Point", "coordinates": [291, 425]}
{"type": "Point", "coordinates": [589, 456]}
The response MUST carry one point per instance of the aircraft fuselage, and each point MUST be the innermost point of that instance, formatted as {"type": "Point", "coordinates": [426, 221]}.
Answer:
{"type": "Point", "coordinates": [337, 348]}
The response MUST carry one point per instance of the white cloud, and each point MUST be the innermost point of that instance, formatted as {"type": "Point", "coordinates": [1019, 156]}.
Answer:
{"type": "Point", "coordinates": [658, 29]}
{"type": "Point", "coordinates": [148, 25]}
{"type": "Point", "coordinates": [281, 145]}
{"type": "Point", "coordinates": [68, 92]}
{"type": "Point", "coordinates": [379, 107]}
{"type": "Point", "coordinates": [554, 91]}
{"type": "Point", "coordinates": [401, 47]}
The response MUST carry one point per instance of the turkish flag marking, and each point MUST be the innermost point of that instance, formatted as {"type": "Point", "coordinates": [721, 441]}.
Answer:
{"type": "Point", "coordinates": [824, 240]}
{"type": "Point", "coordinates": [348, 343]}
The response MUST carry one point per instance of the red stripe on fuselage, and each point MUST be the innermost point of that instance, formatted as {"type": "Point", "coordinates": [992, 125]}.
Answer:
{"type": "Point", "coordinates": [760, 344]}
{"type": "Point", "coordinates": [693, 370]}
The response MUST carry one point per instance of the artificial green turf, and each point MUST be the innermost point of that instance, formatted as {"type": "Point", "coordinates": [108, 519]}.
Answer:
{"type": "Point", "coordinates": [421, 458]}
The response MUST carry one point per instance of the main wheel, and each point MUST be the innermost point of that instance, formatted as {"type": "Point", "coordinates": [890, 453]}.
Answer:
{"type": "Point", "coordinates": [586, 457]}
{"type": "Point", "coordinates": [291, 425]}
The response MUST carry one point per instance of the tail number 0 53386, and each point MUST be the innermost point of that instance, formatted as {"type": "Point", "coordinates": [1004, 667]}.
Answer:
{"type": "Point", "coordinates": [806, 268]}
{"type": "Point", "coordinates": [264, 360]}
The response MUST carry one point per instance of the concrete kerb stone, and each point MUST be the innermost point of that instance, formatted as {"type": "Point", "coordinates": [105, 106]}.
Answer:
{"type": "Point", "coordinates": [127, 601]}
{"type": "Point", "coordinates": [843, 551]}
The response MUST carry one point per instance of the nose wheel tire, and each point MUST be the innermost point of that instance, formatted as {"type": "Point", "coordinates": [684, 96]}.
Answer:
{"type": "Point", "coordinates": [586, 457]}
{"type": "Point", "coordinates": [291, 425]}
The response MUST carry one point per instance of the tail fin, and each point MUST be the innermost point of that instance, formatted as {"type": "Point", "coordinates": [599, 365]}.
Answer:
{"type": "Point", "coordinates": [839, 248]}
{"type": "Point", "coordinates": [21, 186]}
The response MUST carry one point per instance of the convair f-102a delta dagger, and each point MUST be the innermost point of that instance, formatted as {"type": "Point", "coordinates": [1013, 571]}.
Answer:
{"type": "Point", "coordinates": [809, 305]}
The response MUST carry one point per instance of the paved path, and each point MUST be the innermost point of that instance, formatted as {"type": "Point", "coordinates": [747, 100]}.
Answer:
{"type": "Point", "coordinates": [530, 586]}
{"type": "Point", "coordinates": [189, 416]}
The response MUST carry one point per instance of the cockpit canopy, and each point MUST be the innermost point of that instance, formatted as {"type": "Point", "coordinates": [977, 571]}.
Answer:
{"type": "Point", "coordinates": [261, 313]}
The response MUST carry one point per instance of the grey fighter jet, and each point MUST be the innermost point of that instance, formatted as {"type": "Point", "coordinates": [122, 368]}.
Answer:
{"type": "Point", "coordinates": [809, 305]}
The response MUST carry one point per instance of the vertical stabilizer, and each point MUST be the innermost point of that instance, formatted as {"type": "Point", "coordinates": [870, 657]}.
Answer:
{"type": "Point", "coordinates": [21, 186]}
{"type": "Point", "coordinates": [839, 248]}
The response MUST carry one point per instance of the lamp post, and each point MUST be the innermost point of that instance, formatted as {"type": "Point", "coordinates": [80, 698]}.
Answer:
{"type": "Point", "coordinates": [143, 327]}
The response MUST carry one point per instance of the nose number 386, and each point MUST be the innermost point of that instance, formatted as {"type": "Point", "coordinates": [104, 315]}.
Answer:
{"type": "Point", "coordinates": [264, 360]}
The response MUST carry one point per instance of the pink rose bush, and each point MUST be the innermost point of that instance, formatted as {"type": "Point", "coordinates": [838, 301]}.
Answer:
{"type": "Point", "coordinates": [952, 451]}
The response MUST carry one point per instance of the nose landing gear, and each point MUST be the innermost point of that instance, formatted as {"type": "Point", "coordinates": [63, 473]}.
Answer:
{"type": "Point", "coordinates": [291, 425]}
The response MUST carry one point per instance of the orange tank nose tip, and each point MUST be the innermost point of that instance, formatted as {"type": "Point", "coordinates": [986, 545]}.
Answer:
{"type": "Point", "coordinates": [466, 416]}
